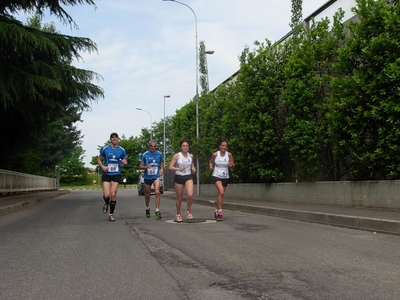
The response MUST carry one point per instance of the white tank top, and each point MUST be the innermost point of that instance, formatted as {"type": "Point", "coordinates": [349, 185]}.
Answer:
{"type": "Point", "coordinates": [184, 161]}
{"type": "Point", "coordinates": [221, 166]}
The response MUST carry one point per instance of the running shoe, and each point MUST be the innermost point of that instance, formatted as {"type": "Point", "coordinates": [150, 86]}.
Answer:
{"type": "Point", "coordinates": [111, 218]}
{"type": "Point", "coordinates": [178, 218]}
{"type": "Point", "coordinates": [189, 214]}
{"type": "Point", "coordinates": [216, 215]}
{"type": "Point", "coordinates": [158, 214]}
{"type": "Point", "coordinates": [147, 213]}
{"type": "Point", "coordinates": [105, 208]}
{"type": "Point", "coordinates": [220, 214]}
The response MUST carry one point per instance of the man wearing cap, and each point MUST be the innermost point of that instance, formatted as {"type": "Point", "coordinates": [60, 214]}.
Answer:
{"type": "Point", "coordinates": [112, 157]}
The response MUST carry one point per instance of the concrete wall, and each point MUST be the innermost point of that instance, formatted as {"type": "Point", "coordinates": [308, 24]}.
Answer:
{"type": "Point", "coordinates": [14, 182]}
{"type": "Point", "coordinates": [380, 193]}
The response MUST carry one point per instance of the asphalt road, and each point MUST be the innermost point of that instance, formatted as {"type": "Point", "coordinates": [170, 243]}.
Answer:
{"type": "Point", "coordinates": [67, 249]}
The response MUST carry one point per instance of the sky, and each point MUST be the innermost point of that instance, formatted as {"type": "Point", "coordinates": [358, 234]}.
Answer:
{"type": "Point", "coordinates": [147, 50]}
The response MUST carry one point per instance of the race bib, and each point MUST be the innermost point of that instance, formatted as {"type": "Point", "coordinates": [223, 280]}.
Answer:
{"type": "Point", "coordinates": [152, 171]}
{"type": "Point", "coordinates": [223, 172]}
{"type": "Point", "coordinates": [187, 169]}
{"type": "Point", "coordinates": [113, 168]}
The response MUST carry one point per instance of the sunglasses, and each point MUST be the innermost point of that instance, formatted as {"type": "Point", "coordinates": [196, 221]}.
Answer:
{"type": "Point", "coordinates": [151, 146]}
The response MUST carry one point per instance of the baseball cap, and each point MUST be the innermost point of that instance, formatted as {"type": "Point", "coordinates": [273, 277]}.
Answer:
{"type": "Point", "coordinates": [114, 133]}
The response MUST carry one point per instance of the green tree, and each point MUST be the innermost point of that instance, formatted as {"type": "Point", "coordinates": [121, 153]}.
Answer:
{"type": "Point", "coordinates": [184, 126]}
{"type": "Point", "coordinates": [133, 147]}
{"type": "Point", "coordinates": [72, 164]}
{"type": "Point", "coordinates": [307, 92]}
{"type": "Point", "coordinates": [158, 135]}
{"type": "Point", "coordinates": [257, 112]}
{"type": "Point", "coordinates": [365, 116]}
{"type": "Point", "coordinates": [203, 68]}
{"type": "Point", "coordinates": [72, 169]}
{"type": "Point", "coordinates": [61, 138]}
{"type": "Point", "coordinates": [245, 113]}
{"type": "Point", "coordinates": [215, 108]}
{"type": "Point", "coordinates": [297, 14]}
{"type": "Point", "coordinates": [38, 84]}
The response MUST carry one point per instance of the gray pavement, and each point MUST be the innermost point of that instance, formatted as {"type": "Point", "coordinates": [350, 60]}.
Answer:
{"type": "Point", "coordinates": [13, 203]}
{"type": "Point", "coordinates": [371, 219]}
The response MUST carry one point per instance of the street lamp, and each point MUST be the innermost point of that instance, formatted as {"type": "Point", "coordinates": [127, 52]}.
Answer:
{"type": "Point", "coordinates": [209, 52]}
{"type": "Point", "coordinates": [197, 94]}
{"type": "Point", "coordinates": [151, 134]}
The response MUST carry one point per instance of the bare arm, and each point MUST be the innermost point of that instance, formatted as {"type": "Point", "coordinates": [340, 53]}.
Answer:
{"type": "Point", "coordinates": [173, 162]}
{"type": "Point", "coordinates": [161, 168]}
{"type": "Point", "coordinates": [212, 159]}
{"type": "Point", "coordinates": [100, 163]}
{"type": "Point", "coordinates": [172, 166]}
{"type": "Point", "coordinates": [142, 166]}
{"type": "Point", "coordinates": [193, 168]}
{"type": "Point", "coordinates": [231, 161]}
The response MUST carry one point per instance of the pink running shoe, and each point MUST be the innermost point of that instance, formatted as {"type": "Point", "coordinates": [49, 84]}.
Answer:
{"type": "Point", "coordinates": [216, 215]}
{"type": "Point", "coordinates": [220, 214]}
{"type": "Point", "coordinates": [189, 214]}
{"type": "Point", "coordinates": [178, 218]}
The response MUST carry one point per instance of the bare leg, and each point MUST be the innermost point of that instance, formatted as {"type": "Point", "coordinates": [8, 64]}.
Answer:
{"type": "Point", "coordinates": [221, 192]}
{"type": "Point", "coordinates": [189, 193]}
{"type": "Point", "coordinates": [114, 190]}
{"type": "Point", "coordinates": [106, 191]}
{"type": "Point", "coordinates": [179, 197]}
{"type": "Point", "coordinates": [147, 195]}
{"type": "Point", "coordinates": [157, 193]}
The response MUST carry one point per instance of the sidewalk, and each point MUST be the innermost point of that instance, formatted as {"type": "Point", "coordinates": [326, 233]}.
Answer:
{"type": "Point", "coordinates": [370, 219]}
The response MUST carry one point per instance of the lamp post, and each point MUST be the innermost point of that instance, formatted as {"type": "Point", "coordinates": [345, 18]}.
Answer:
{"type": "Point", "coordinates": [209, 52]}
{"type": "Point", "coordinates": [151, 134]}
{"type": "Point", "coordinates": [197, 94]}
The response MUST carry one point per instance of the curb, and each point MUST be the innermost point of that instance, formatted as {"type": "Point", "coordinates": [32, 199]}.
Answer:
{"type": "Point", "coordinates": [353, 222]}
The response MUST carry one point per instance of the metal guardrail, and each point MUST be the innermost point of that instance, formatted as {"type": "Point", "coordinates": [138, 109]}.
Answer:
{"type": "Point", "coordinates": [15, 182]}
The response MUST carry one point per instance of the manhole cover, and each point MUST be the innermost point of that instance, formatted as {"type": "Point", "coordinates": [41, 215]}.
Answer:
{"type": "Point", "coordinates": [193, 221]}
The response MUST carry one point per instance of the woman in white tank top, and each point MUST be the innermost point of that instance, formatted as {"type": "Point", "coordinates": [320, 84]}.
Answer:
{"type": "Point", "coordinates": [220, 163]}
{"type": "Point", "coordinates": [183, 165]}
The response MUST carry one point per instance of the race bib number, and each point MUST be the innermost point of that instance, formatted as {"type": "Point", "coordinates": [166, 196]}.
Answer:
{"type": "Point", "coordinates": [187, 169]}
{"type": "Point", "coordinates": [113, 168]}
{"type": "Point", "coordinates": [152, 171]}
{"type": "Point", "coordinates": [223, 172]}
